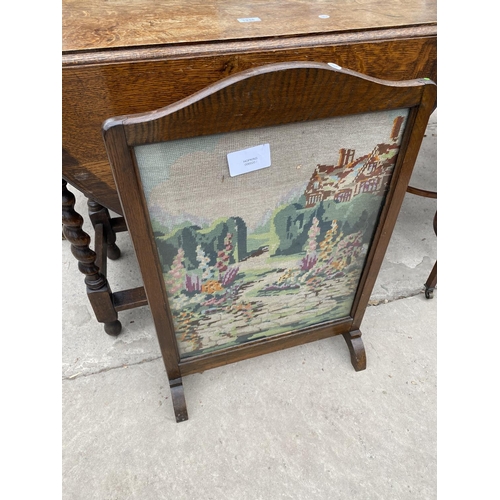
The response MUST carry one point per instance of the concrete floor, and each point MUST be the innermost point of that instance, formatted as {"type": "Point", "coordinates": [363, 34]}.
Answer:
{"type": "Point", "coordinates": [296, 424]}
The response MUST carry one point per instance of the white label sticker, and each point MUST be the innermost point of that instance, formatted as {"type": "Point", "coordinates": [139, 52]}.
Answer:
{"type": "Point", "coordinates": [249, 19]}
{"type": "Point", "coordinates": [249, 160]}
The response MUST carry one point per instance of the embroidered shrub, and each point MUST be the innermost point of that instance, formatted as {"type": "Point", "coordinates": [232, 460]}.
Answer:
{"type": "Point", "coordinates": [287, 281]}
{"type": "Point", "coordinates": [328, 244]}
{"type": "Point", "coordinates": [221, 301]}
{"type": "Point", "coordinates": [193, 283]}
{"type": "Point", "coordinates": [308, 262]}
{"type": "Point", "coordinates": [229, 276]}
{"type": "Point", "coordinates": [348, 250]}
{"type": "Point", "coordinates": [211, 286]}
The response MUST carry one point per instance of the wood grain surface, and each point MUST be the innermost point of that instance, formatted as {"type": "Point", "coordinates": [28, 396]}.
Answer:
{"type": "Point", "coordinates": [99, 24]}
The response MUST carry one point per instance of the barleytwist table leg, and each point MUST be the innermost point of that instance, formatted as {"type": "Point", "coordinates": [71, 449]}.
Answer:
{"type": "Point", "coordinates": [98, 289]}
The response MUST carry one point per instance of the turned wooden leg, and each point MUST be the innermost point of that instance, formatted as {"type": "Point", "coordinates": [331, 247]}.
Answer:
{"type": "Point", "coordinates": [178, 400]}
{"type": "Point", "coordinates": [431, 282]}
{"type": "Point", "coordinates": [98, 289]}
{"type": "Point", "coordinates": [100, 215]}
{"type": "Point", "coordinates": [357, 349]}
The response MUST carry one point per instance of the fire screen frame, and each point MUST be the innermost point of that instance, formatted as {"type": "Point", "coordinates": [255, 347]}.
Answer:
{"type": "Point", "coordinates": [253, 105]}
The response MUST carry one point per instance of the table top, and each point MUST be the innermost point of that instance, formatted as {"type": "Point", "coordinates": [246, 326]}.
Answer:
{"type": "Point", "coordinates": [92, 25]}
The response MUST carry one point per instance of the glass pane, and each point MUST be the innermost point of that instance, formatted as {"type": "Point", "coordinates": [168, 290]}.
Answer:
{"type": "Point", "coordinates": [273, 250]}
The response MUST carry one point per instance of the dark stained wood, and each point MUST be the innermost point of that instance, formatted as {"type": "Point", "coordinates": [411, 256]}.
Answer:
{"type": "Point", "coordinates": [72, 230]}
{"type": "Point", "coordinates": [356, 349]}
{"type": "Point", "coordinates": [178, 400]}
{"type": "Point", "coordinates": [100, 215]}
{"type": "Point", "coordinates": [262, 346]}
{"type": "Point", "coordinates": [431, 282]}
{"type": "Point", "coordinates": [118, 224]}
{"type": "Point", "coordinates": [152, 275]}
{"type": "Point", "coordinates": [276, 105]}
{"type": "Point", "coordinates": [101, 247]}
{"type": "Point", "coordinates": [90, 263]}
{"type": "Point", "coordinates": [129, 299]}
{"type": "Point", "coordinates": [101, 298]}
{"type": "Point", "coordinates": [121, 57]}
{"type": "Point", "coordinates": [421, 192]}
{"type": "Point", "coordinates": [410, 145]}
{"type": "Point", "coordinates": [247, 100]}
{"type": "Point", "coordinates": [93, 263]}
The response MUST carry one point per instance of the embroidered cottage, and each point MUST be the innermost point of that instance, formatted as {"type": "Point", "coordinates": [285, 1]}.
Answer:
{"type": "Point", "coordinates": [367, 174]}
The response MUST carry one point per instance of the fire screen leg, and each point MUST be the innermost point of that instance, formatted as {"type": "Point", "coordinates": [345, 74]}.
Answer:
{"type": "Point", "coordinates": [178, 400]}
{"type": "Point", "coordinates": [357, 349]}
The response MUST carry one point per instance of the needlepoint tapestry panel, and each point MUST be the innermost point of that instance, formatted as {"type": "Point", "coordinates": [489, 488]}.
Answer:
{"type": "Point", "coordinates": [272, 250]}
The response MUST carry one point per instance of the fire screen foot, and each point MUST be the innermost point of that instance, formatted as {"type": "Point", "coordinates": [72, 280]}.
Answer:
{"type": "Point", "coordinates": [178, 400]}
{"type": "Point", "coordinates": [357, 349]}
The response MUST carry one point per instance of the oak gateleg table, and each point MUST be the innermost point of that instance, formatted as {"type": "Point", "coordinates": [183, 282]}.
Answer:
{"type": "Point", "coordinates": [123, 58]}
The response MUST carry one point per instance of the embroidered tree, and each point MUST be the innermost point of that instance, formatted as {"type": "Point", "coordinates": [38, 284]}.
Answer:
{"type": "Point", "coordinates": [328, 244]}
{"type": "Point", "coordinates": [311, 257]}
{"type": "Point", "coordinates": [175, 277]}
{"type": "Point", "coordinates": [312, 234]}
{"type": "Point", "coordinates": [206, 270]}
{"type": "Point", "coordinates": [226, 274]}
